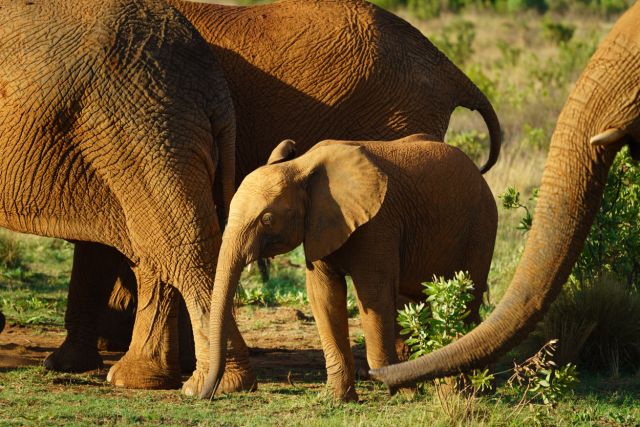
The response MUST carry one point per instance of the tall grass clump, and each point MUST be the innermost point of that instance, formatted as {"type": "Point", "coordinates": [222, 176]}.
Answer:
{"type": "Point", "coordinates": [11, 252]}
{"type": "Point", "coordinates": [598, 325]}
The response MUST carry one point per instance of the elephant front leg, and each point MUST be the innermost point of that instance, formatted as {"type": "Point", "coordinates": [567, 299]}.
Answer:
{"type": "Point", "coordinates": [93, 276]}
{"type": "Point", "coordinates": [152, 360]}
{"type": "Point", "coordinates": [327, 292]}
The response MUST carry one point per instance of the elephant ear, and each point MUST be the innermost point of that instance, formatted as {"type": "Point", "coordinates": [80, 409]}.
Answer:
{"type": "Point", "coordinates": [345, 190]}
{"type": "Point", "coordinates": [284, 152]}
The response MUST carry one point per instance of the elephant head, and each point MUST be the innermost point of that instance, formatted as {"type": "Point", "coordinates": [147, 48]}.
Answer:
{"type": "Point", "coordinates": [318, 199]}
{"type": "Point", "coordinates": [601, 115]}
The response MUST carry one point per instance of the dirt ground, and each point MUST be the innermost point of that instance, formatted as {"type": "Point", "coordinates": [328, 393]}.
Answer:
{"type": "Point", "coordinates": [284, 345]}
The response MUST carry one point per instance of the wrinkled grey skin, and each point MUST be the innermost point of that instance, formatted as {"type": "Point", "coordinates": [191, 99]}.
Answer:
{"type": "Point", "coordinates": [114, 120]}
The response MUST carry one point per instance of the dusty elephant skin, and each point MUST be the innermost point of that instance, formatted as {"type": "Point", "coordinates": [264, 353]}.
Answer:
{"type": "Point", "coordinates": [311, 71]}
{"type": "Point", "coordinates": [601, 115]}
{"type": "Point", "coordinates": [111, 131]}
{"type": "Point", "coordinates": [390, 215]}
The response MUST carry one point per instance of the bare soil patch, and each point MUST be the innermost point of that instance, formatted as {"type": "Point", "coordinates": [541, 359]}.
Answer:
{"type": "Point", "coordinates": [284, 345]}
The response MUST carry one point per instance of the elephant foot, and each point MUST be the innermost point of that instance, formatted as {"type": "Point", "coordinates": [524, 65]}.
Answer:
{"type": "Point", "coordinates": [343, 389]}
{"type": "Point", "coordinates": [235, 379]}
{"type": "Point", "coordinates": [345, 394]}
{"type": "Point", "coordinates": [139, 372]}
{"type": "Point", "coordinates": [74, 357]}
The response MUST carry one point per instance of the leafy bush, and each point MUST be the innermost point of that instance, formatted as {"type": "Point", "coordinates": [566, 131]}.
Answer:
{"type": "Point", "coordinates": [614, 240]}
{"type": "Point", "coordinates": [435, 326]}
{"type": "Point", "coordinates": [557, 32]}
{"type": "Point", "coordinates": [538, 378]}
{"type": "Point", "coordinates": [456, 41]}
{"type": "Point", "coordinates": [512, 6]}
{"type": "Point", "coordinates": [472, 143]}
{"type": "Point", "coordinates": [534, 137]}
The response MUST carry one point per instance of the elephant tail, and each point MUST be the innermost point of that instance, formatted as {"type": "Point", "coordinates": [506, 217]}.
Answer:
{"type": "Point", "coordinates": [474, 99]}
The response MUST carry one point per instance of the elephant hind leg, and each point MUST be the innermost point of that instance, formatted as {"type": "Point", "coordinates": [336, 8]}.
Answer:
{"type": "Point", "coordinates": [93, 276]}
{"type": "Point", "coordinates": [478, 259]}
{"type": "Point", "coordinates": [152, 359]}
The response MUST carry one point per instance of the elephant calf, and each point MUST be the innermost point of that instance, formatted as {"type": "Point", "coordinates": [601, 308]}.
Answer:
{"type": "Point", "coordinates": [390, 215]}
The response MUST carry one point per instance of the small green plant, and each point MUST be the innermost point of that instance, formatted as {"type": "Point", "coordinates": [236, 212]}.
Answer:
{"type": "Point", "coordinates": [11, 253]}
{"type": "Point", "coordinates": [456, 41]}
{"type": "Point", "coordinates": [511, 200]}
{"type": "Point", "coordinates": [437, 325]}
{"type": "Point", "coordinates": [472, 143]}
{"type": "Point", "coordinates": [534, 137]}
{"type": "Point", "coordinates": [557, 32]}
{"type": "Point", "coordinates": [538, 378]}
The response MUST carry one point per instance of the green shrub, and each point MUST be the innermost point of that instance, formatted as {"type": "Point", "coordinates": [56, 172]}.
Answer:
{"type": "Point", "coordinates": [474, 144]}
{"type": "Point", "coordinates": [557, 32]}
{"type": "Point", "coordinates": [614, 240]}
{"type": "Point", "coordinates": [435, 326]}
{"type": "Point", "coordinates": [534, 137]}
{"type": "Point", "coordinates": [389, 4]}
{"type": "Point", "coordinates": [424, 9]}
{"type": "Point", "coordinates": [456, 41]}
{"type": "Point", "coordinates": [512, 6]}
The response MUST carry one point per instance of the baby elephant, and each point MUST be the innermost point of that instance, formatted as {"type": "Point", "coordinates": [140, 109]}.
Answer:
{"type": "Point", "coordinates": [390, 215]}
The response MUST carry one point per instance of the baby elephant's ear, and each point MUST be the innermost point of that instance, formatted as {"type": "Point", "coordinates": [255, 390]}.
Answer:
{"type": "Point", "coordinates": [284, 152]}
{"type": "Point", "coordinates": [345, 189]}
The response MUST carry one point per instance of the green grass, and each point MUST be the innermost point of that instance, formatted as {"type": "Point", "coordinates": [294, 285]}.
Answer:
{"type": "Point", "coordinates": [33, 287]}
{"type": "Point", "coordinates": [34, 396]}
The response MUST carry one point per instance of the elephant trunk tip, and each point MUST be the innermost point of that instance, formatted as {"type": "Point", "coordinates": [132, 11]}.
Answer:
{"type": "Point", "coordinates": [210, 386]}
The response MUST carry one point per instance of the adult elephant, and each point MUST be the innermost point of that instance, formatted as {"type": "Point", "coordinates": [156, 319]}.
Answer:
{"type": "Point", "coordinates": [310, 71]}
{"type": "Point", "coordinates": [601, 115]}
{"type": "Point", "coordinates": [114, 120]}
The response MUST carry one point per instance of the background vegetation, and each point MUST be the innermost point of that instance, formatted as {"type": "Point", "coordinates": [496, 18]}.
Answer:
{"type": "Point", "coordinates": [525, 55]}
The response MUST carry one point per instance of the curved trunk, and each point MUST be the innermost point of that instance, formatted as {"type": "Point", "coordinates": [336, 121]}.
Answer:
{"type": "Point", "coordinates": [563, 217]}
{"type": "Point", "coordinates": [230, 265]}
{"type": "Point", "coordinates": [474, 99]}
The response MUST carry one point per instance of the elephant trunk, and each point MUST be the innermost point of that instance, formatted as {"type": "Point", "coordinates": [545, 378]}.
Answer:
{"type": "Point", "coordinates": [570, 195]}
{"type": "Point", "coordinates": [474, 99]}
{"type": "Point", "coordinates": [230, 264]}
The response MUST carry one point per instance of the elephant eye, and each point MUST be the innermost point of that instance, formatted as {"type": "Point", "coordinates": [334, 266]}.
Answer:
{"type": "Point", "coordinates": [267, 219]}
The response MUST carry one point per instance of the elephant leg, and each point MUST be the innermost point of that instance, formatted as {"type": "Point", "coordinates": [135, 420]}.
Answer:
{"type": "Point", "coordinates": [152, 359]}
{"type": "Point", "coordinates": [327, 292]}
{"type": "Point", "coordinates": [93, 276]}
{"type": "Point", "coordinates": [478, 256]}
{"type": "Point", "coordinates": [402, 349]}
{"type": "Point", "coordinates": [376, 286]}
